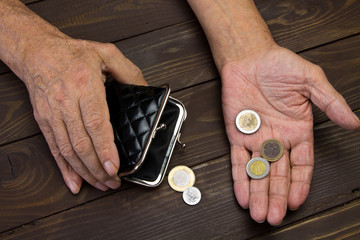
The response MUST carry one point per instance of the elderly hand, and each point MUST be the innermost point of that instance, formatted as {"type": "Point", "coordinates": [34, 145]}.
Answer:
{"type": "Point", "coordinates": [280, 86]}
{"type": "Point", "coordinates": [65, 79]}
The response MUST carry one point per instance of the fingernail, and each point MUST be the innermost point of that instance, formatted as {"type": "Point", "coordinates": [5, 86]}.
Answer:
{"type": "Point", "coordinates": [113, 184]}
{"type": "Point", "coordinates": [74, 188]}
{"type": "Point", "coordinates": [110, 168]}
{"type": "Point", "coordinates": [101, 186]}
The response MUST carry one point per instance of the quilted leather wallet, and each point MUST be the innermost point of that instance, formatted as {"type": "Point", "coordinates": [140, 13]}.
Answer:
{"type": "Point", "coordinates": [146, 123]}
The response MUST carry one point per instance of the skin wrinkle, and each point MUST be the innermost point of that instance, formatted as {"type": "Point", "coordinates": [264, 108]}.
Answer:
{"type": "Point", "coordinates": [237, 35]}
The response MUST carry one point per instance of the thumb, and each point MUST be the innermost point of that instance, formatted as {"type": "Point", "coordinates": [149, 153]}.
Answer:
{"type": "Point", "coordinates": [120, 68]}
{"type": "Point", "coordinates": [324, 95]}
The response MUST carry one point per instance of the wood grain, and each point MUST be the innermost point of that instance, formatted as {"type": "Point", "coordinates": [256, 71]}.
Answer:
{"type": "Point", "coordinates": [31, 184]}
{"type": "Point", "coordinates": [189, 67]}
{"type": "Point", "coordinates": [108, 20]}
{"type": "Point", "coordinates": [296, 25]}
{"type": "Point", "coordinates": [14, 101]}
{"type": "Point", "coordinates": [205, 138]}
{"type": "Point", "coordinates": [337, 59]}
{"type": "Point", "coordinates": [143, 213]}
{"type": "Point", "coordinates": [165, 40]}
{"type": "Point", "coordinates": [326, 225]}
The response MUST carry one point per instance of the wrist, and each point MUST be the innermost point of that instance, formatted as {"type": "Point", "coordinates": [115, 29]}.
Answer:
{"type": "Point", "coordinates": [240, 43]}
{"type": "Point", "coordinates": [234, 28]}
{"type": "Point", "coordinates": [22, 35]}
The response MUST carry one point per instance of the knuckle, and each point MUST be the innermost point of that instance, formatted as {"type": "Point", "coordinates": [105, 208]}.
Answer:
{"type": "Point", "coordinates": [60, 96]}
{"type": "Point", "coordinates": [67, 151]}
{"type": "Point", "coordinates": [82, 146]}
{"type": "Point", "coordinates": [95, 123]}
{"type": "Point", "coordinates": [41, 120]}
{"type": "Point", "coordinates": [82, 76]}
{"type": "Point", "coordinates": [137, 71]}
{"type": "Point", "coordinates": [110, 48]}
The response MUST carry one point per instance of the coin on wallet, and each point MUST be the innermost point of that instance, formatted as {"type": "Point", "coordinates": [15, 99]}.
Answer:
{"type": "Point", "coordinates": [181, 178]}
{"type": "Point", "coordinates": [248, 121]}
{"type": "Point", "coordinates": [272, 150]}
{"type": "Point", "coordinates": [192, 196]}
{"type": "Point", "coordinates": [258, 168]}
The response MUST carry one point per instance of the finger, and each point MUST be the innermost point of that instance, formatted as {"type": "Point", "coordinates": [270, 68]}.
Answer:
{"type": "Point", "coordinates": [302, 166]}
{"type": "Point", "coordinates": [67, 152]}
{"type": "Point", "coordinates": [239, 158]}
{"type": "Point", "coordinates": [324, 95]}
{"type": "Point", "coordinates": [84, 149]}
{"type": "Point", "coordinates": [279, 189]}
{"type": "Point", "coordinates": [259, 197]}
{"type": "Point", "coordinates": [71, 178]}
{"type": "Point", "coordinates": [121, 68]}
{"type": "Point", "coordinates": [96, 119]}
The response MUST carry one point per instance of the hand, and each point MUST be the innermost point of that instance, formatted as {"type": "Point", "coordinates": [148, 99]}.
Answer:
{"type": "Point", "coordinates": [65, 79]}
{"type": "Point", "coordinates": [280, 86]}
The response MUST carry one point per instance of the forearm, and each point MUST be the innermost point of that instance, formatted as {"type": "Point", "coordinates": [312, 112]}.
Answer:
{"type": "Point", "coordinates": [234, 28]}
{"type": "Point", "coordinates": [21, 29]}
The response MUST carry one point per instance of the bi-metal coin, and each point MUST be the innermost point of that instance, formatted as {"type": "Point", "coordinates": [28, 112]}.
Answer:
{"type": "Point", "coordinates": [181, 178]}
{"type": "Point", "coordinates": [192, 196]}
{"type": "Point", "coordinates": [258, 168]}
{"type": "Point", "coordinates": [272, 150]}
{"type": "Point", "coordinates": [248, 121]}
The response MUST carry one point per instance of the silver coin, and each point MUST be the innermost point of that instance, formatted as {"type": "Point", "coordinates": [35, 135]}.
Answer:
{"type": "Point", "coordinates": [248, 121]}
{"type": "Point", "coordinates": [192, 196]}
{"type": "Point", "coordinates": [258, 168]}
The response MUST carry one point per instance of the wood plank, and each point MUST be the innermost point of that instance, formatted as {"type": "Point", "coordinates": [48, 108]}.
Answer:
{"type": "Point", "coordinates": [108, 20]}
{"type": "Point", "coordinates": [27, 156]}
{"type": "Point", "coordinates": [295, 25]}
{"type": "Point", "coordinates": [338, 223]}
{"type": "Point", "coordinates": [14, 101]}
{"type": "Point", "coordinates": [203, 133]}
{"type": "Point", "coordinates": [143, 213]}
{"type": "Point", "coordinates": [191, 65]}
{"type": "Point", "coordinates": [31, 185]}
{"type": "Point", "coordinates": [339, 59]}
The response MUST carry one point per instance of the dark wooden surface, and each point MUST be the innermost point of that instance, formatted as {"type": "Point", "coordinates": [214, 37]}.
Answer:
{"type": "Point", "coordinates": [165, 40]}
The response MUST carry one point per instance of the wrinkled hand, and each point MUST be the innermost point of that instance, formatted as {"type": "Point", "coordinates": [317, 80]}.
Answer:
{"type": "Point", "coordinates": [65, 79]}
{"type": "Point", "coordinates": [280, 86]}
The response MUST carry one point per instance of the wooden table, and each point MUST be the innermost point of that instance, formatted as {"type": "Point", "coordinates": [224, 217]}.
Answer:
{"type": "Point", "coordinates": [166, 41]}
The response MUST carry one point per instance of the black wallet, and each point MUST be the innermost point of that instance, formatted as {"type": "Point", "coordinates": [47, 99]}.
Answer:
{"type": "Point", "coordinates": [146, 123]}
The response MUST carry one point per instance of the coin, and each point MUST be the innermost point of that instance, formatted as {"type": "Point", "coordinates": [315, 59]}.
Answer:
{"type": "Point", "coordinates": [248, 121]}
{"type": "Point", "coordinates": [192, 196]}
{"type": "Point", "coordinates": [258, 168]}
{"type": "Point", "coordinates": [181, 178]}
{"type": "Point", "coordinates": [271, 150]}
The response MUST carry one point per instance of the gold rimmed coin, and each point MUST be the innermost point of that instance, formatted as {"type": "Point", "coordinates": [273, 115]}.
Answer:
{"type": "Point", "coordinates": [258, 168]}
{"type": "Point", "coordinates": [181, 178]}
{"type": "Point", "coordinates": [272, 150]}
{"type": "Point", "coordinates": [248, 121]}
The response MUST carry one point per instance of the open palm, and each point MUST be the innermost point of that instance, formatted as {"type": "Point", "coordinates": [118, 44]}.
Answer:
{"type": "Point", "coordinates": [280, 86]}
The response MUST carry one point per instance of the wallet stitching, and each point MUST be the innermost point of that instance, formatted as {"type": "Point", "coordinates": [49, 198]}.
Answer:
{"type": "Point", "coordinates": [130, 122]}
{"type": "Point", "coordinates": [126, 114]}
{"type": "Point", "coordinates": [141, 101]}
{"type": "Point", "coordinates": [144, 116]}
{"type": "Point", "coordinates": [142, 112]}
{"type": "Point", "coordinates": [136, 135]}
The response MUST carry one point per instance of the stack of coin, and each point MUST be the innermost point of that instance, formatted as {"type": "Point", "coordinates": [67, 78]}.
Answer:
{"type": "Point", "coordinates": [271, 151]}
{"type": "Point", "coordinates": [248, 122]}
{"type": "Point", "coordinates": [182, 179]}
